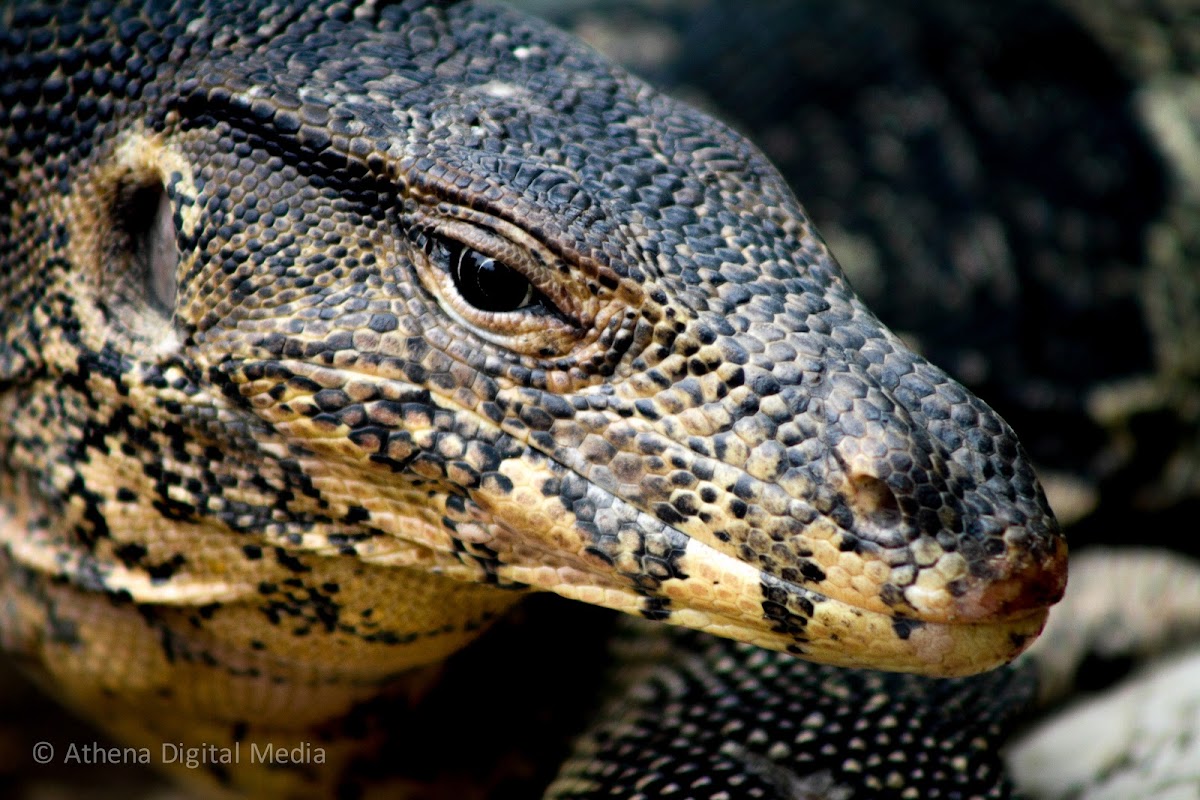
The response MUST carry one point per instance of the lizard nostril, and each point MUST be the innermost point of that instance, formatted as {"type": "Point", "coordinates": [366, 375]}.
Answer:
{"type": "Point", "coordinates": [872, 501]}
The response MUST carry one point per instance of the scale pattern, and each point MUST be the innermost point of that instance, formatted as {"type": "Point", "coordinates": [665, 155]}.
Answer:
{"type": "Point", "coordinates": [264, 455]}
{"type": "Point", "coordinates": [712, 719]}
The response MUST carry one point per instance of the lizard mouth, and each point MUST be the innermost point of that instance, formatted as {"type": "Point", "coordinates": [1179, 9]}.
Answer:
{"type": "Point", "coordinates": [606, 552]}
{"type": "Point", "coordinates": [721, 595]}
{"type": "Point", "coordinates": [521, 516]}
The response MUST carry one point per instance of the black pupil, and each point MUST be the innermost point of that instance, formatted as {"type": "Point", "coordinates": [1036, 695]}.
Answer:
{"type": "Point", "coordinates": [485, 282]}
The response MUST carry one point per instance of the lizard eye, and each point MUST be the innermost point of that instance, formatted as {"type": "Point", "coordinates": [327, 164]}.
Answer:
{"type": "Point", "coordinates": [483, 282]}
{"type": "Point", "coordinates": [500, 284]}
{"type": "Point", "coordinates": [486, 283]}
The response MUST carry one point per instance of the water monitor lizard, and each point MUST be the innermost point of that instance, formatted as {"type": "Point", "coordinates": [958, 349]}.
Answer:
{"type": "Point", "coordinates": [327, 328]}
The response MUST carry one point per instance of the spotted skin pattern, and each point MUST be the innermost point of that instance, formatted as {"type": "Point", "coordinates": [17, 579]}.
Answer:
{"type": "Point", "coordinates": [261, 461]}
{"type": "Point", "coordinates": [710, 719]}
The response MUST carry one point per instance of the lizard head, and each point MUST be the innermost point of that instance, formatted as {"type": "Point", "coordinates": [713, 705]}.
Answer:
{"type": "Point", "coordinates": [442, 293]}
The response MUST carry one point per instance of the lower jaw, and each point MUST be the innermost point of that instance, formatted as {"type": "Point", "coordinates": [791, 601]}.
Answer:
{"type": "Point", "coordinates": [850, 637]}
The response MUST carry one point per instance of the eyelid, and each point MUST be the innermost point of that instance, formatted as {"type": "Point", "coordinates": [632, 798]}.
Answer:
{"type": "Point", "coordinates": [486, 242]}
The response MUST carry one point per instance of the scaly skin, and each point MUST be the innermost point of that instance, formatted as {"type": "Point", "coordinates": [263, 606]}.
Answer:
{"type": "Point", "coordinates": [264, 457]}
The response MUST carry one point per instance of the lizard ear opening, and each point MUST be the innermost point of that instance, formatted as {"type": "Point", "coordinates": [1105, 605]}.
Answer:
{"type": "Point", "coordinates": [145, 214]}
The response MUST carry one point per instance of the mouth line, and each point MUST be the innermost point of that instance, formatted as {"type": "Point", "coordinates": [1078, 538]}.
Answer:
{"type": "Point", "coordinates": [618, 555]}
{"type": "Point", "coordinates": [720, 594]}
{"type": "Point", "coordinates": [711, 589]}
{"type": "Point", "coordinates": [397, 389]}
